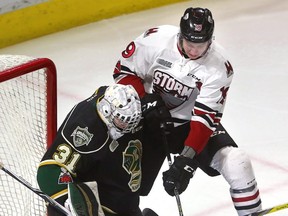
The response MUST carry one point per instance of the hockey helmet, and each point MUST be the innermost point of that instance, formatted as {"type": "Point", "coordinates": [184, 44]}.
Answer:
{"type": "Point", "coordinates": [197, 25]}
{"type": "Point", "coordinates": [120, 108]}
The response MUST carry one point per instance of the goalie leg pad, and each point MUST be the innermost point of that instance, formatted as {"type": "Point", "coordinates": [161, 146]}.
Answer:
{"type": "Point", "coordinates": [84, 199]}
{"type": "Point", "coordinates": [235, 166]}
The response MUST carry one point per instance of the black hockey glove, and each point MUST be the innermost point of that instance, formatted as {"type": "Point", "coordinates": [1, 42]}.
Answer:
{"type": "Point", "coordinates": [155, 112]}
{"type": "Point", "coordinates": [179, 175]}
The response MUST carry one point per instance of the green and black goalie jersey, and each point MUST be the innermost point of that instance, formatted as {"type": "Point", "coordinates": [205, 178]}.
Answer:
{"type": "Point", "coordinates": [83, 151]}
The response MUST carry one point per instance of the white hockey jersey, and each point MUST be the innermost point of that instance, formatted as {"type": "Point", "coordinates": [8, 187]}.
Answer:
{"type": "Point", "coordinates": [193, 90]}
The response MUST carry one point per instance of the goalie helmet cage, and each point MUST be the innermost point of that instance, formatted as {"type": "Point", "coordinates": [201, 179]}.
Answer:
{"type": "Point", "coordinates": [28, 124]}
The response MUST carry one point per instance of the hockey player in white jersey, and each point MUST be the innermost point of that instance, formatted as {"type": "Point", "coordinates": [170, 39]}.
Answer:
{"type": "Point", "coordinates": [185, 71]}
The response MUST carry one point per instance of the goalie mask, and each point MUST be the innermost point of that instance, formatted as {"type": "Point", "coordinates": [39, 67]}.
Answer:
{"type": "Point", "coordinates": [120, 109]}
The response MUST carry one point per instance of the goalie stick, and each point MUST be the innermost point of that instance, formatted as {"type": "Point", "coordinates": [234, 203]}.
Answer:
{"type": "Point", "coordinates": [47, 198]}
{"type": "Point", "coordinates": [271, 210]}
{"type": "Point", "coordinates": [176, 193]}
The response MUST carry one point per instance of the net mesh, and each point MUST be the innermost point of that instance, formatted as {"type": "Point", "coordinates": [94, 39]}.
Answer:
{"type": "Point", "coordinates": [23, 126]}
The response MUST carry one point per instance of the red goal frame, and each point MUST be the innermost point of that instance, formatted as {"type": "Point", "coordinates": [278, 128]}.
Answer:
{"type": "Point", "coordinates": [51, 87]}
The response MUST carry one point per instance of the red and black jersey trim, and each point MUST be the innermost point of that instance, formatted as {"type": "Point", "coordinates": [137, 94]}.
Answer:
{"type": "Point", "coordinates": [212, 117]}
{"type": "Point", "coordinates": [123, 71]}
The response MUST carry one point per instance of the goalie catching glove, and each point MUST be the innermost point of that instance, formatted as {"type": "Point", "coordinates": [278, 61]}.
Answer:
{"type": "Point", "coordinates": [179, 175]}
{"type": "Point", "coordinates": [155, 112]}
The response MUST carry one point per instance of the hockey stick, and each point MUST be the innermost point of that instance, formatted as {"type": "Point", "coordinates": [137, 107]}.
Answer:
{"type": "Point", "coordinates": [271, 210]}
{"type": "Point", "coordinates": [48, 199]}
{"type": "Point", "coordinates": [176, 193]}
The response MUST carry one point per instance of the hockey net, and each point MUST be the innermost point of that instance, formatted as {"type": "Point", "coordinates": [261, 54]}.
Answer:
{"type": "Point", "coordinates": [27, 124]}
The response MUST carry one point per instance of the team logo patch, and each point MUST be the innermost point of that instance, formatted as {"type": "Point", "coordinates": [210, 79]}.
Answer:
{"type": "Point", "coordinates": [164, 63]}
{"type": "Point", "coordinates": [81, 136]}
{"type": "Point", "coordinates": [198, 27]}
{"type": "Point", "coordinates": [132, 163]}
{"type": "Point", "coordinates": [64, 177]}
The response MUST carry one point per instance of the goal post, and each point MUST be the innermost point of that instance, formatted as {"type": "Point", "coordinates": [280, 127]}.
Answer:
{"type": "Point", "coordinates": [28, 124]}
